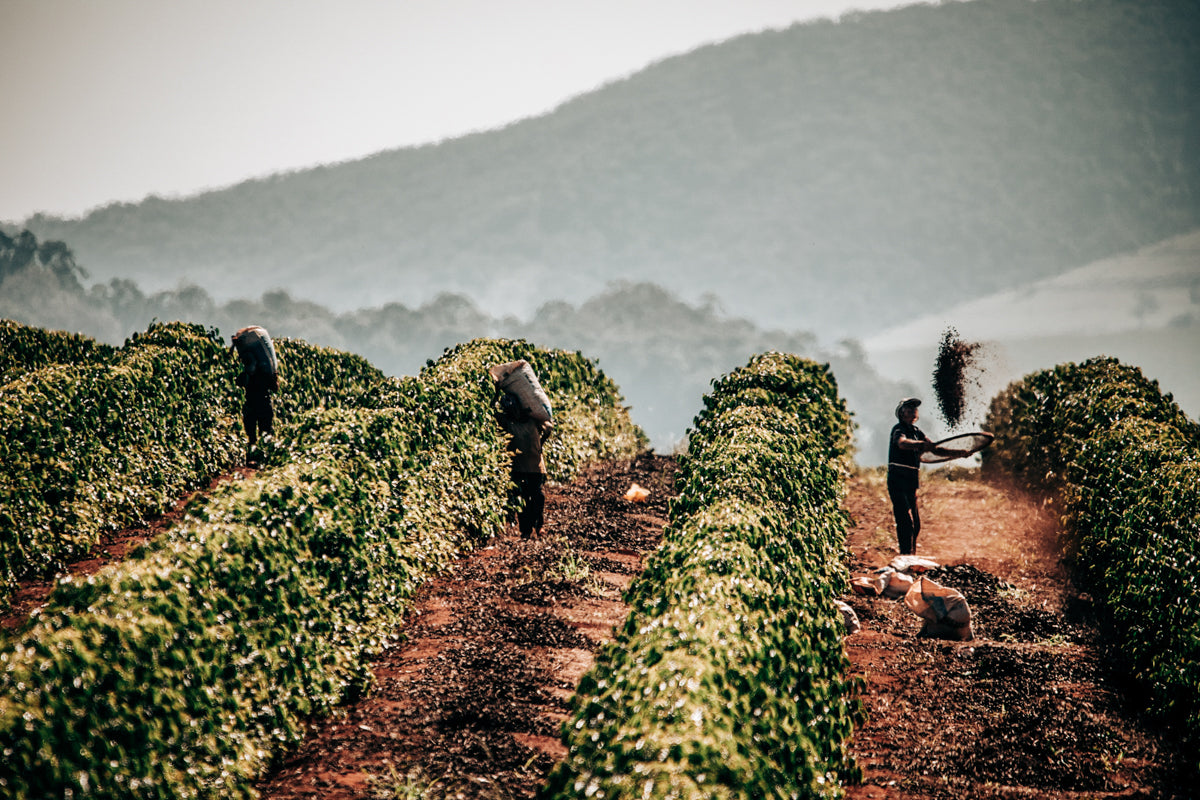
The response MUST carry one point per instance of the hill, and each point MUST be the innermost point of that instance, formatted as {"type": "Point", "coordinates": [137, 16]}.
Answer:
{"type": "Point", "coordinates": [1154, 287]}
{"type": "Point", "coordinates": [1141, 307]}
{"type": "Point", "coordinates": [829, 177]}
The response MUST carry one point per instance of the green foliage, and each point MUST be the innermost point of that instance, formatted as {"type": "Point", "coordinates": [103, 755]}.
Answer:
{"type": "Point", "coordinates": [311, 376]}
{"type": "Point", "coordinates": [795, 386]}
{"type": "Point", "coordinates": [728, 677]}
{"type": "Point", "coordinates": [1048, 416]}
{"type": "Point", "coordinates": [183, 671]}
{"type": "Point", "coordinates": [94, 438]}
{"type": "Point", "coordinates": [1134, 510]}
{"type": "Point", "coordinates": [90, 447]}
{"type": "Point", "coordinates": [25, 348]}
{"type": "Point", "coordinates": [589, 421]}
{"type": "Point", "coordinates": [1126, 465]}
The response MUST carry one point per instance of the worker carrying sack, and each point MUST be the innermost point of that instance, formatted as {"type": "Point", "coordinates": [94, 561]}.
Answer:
{"type": "Point", "coordinates": [257, 352]}
{"type": "Point", "coordinates": [517, 377]}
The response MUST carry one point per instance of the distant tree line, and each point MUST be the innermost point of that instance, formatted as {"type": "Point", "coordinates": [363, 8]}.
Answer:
{"type": "Point", "coordinates": [53, 259]}
{"type": "Point", "coordinates": [661, 351]}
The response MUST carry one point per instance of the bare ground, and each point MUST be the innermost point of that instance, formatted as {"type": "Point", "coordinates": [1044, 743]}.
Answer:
{"type": "Point", "coordinates": [1032, 706]}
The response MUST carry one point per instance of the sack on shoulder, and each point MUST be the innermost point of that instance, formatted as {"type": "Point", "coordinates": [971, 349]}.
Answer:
{"type": "Point", "coordinates": [257, 352]}
{"type": "Point", "coordinates": [518, 377]}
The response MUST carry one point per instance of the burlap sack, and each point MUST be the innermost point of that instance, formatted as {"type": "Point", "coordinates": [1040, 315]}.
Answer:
{"type": "Point", "coordinates": [945, 610]}
{"type": "Point", "coordinates": [518, 378]}
{"type": "Point", "coordinates": [257, 351]}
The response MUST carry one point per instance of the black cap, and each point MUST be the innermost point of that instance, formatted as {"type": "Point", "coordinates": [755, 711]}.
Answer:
{"type": "Point", "coordinates": [908, 402]}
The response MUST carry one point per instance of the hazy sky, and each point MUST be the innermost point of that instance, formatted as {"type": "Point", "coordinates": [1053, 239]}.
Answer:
{"type": "Point", "coordinates": [108, 100]}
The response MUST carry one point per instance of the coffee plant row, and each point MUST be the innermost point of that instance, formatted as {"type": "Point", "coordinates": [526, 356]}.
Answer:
{"type": "Point", "coordinates": [23, 348]}
{"type": "Point", "coordinates": [727, 679]}
{"type": "Point", "coordinates": [1125, 462]}
{"type": "Point", "coordinates": [95, 438]}
{"type": "Point", "coordinates": [184, 671]}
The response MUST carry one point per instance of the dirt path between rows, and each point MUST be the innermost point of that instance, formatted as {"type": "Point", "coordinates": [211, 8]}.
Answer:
{"type": "Point", "coordinates": [470, 703]}
{"type": "Point", "coordinates": [1032, 706]}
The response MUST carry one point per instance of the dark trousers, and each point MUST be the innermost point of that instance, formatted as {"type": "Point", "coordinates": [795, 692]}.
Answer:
{"type": "Point", "coordinates": [258, 415]}
{"type": "Point", "coordinates": [903, 492]}
{"type": "Point", "coordinates": [531, 501]}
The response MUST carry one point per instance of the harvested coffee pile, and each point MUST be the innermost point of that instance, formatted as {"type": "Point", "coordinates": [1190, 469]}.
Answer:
{"type": "Point", "coordinates": [997, 615]}
{"type": "Point", "coordinates": [955, 358]}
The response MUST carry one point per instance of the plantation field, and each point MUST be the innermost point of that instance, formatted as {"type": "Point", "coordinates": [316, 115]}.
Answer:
{"type": "Point", "coordinates": [479, 704]}
{"type": "Point", "coordinates": [471, 698]}
{"type": "Point", "coordinates": [355, 616]}
{"type": "Point", "coordinates": [473, 706]}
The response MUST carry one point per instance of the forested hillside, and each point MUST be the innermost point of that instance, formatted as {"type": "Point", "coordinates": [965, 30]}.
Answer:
{"type": "Point", "coordinates": [835, 177]}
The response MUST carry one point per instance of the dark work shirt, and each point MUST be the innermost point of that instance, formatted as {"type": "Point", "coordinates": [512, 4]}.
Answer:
{"type": "Point", "coordinates": [899, 455]}
{"type": "Point", "coordinates": [526, 443]}
{"type": "Point", "coordinates": [257, 382]}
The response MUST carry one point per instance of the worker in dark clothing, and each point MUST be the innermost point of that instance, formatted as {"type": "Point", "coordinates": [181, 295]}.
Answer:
{"type": "Point", "coordinates": [528, 466]}
{"type": "Point", "coordinates": [905, 446]}
{"type": "Point", "coordinates": [258, 415]}
{"type": "Point", "coordinates": [259, 377]}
